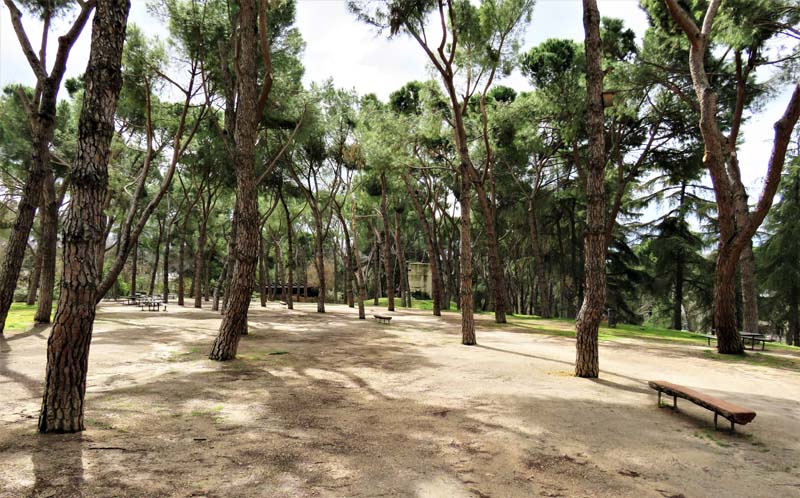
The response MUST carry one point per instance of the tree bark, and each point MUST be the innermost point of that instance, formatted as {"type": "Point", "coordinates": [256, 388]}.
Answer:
{"type": "Point", "coordinates": [165, 270]}
{"type": "Point", "coordinates": [49, 245]}
{"type": "Point", "coordinates": [199, 260]}
{"type": "Point", "coordinates": [234, 320]}
{"type": "Point", "coordinates": [467, 302]}
{"type": "Point", "coordinates": [68, 345]}
{"type": "Point", "coordinates": [157, 254]}
{"type": "Point", "coordinates": [747, 272]}
{"type": "Point", "coordinates": [134, 264]}
{"type": "Point", "coordinates": [595, 246]}
{"type": "Point", "coordinates": [677, 303]}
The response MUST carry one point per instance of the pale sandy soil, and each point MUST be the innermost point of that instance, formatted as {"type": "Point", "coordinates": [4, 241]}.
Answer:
{"type": "Point", "coordinates": [361, 409]}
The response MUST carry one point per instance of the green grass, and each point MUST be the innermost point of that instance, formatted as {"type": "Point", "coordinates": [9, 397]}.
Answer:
{"type": "Point", "coordinates": [417, 304]}
{"type": "Point", "coordinates": [20, 317]}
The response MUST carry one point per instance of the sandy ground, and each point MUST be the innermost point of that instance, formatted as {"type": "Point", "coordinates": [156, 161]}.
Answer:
{"type": "Point", "coordinates": [327, 406]}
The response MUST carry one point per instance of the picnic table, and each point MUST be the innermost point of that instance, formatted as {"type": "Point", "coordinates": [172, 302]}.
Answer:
{"type": "Point", "coordinates": [383, 318]}
{"type": "Point", "coordinates": [754, 337]}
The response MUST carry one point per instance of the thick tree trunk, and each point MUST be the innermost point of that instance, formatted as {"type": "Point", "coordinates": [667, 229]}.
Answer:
{"type": "Point", "coordinates": [728, 339]}
{"type": "Point", "coordinates": [234, 320]}
{"type": "Point", "coordinates": [68, 345]}
{"type": "Point", "coordinates": [587, 362]}
{"type": "Point", "coordinates": [49, 244]}
{"type": "Point", "coordinates": [386, 246]}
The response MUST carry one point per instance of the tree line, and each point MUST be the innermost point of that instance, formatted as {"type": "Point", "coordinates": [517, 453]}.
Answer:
{"type": "Point", "coordinates": [202, 167]}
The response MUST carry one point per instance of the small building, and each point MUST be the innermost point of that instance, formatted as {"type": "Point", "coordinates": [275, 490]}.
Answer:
{"type": "Point", "coordinates": [419, 278]}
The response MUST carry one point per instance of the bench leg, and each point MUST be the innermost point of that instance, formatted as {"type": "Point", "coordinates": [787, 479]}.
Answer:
{"type": "Point", "coordinates": [674, 402]}
{"type": "Point", "coordinates": [732, 428]}
{"type": "Point", "coordinates": [715, 421]}
{"type": "Point", "coordinates": [659, 399]}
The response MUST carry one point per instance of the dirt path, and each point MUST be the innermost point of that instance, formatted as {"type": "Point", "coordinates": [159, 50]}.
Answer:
{"type": "Point", "coordinates": [327, 406]}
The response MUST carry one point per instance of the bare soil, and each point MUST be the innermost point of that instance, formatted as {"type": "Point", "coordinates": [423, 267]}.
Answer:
{"type": "Point", "coordinates": [325, 405]}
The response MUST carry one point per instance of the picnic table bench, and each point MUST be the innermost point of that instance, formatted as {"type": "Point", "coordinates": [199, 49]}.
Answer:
{"type": "Point", "coordinates": [734, 413]}
{"type": "Point", "coordinates": [152, 304]}
{"type": "Point", "coordinates": [383, 318]}
{"type": "Point", "coordinates": [752, 336]}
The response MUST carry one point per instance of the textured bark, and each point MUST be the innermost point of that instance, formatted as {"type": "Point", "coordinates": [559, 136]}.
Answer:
{"type": "Point", "coordinates": [747, 273]}
{"type": "Point", "coordinates": [319, 261]}
{"type": "Point", "coordinates": [42, 121]}
{"type": "Point", "coordinates": [376, 275]}
{"type": "Point", "coordinates": [234, 320]}
{"type": "Point", "coordinates": [361, 278]}
{"type": "Point", "coordinates": [48, 245]}
{"type": "Point", "coordinates": [587, 362]}
{"type": "Point", "coordinates": [68, 345]}
{"type": "Point", "coordinates": [386, 244]}
{"type": "Point", "coordinates": [467, 303]}
{"type": "Point", "coordinates": [725, 307]}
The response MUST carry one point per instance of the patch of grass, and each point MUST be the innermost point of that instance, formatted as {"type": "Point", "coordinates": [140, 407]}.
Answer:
{"type": "Point", "coordinates": [711, 436]}
{"type": "Point", "coordinates": [20, 316]}
{"type": "Point", "coordinates": [417, 304]}
{"type": "Point", "coordinates": [766, 360]}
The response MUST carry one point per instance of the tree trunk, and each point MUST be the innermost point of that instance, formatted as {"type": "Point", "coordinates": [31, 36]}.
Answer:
{"type": "Point", "coordinates": [165, 272]}
{"type": "Point", "coordinates": [376, 277]}
{"type": "Point", "coordinates": [134, 264]}
{"type": "Point", "coordinates": [677, 304]}
{"type": "Point", "coordinates": [401, 262]}
{"type": "Point", "coordinates": [319, 261]}
{"type": "Point", "coordinates": [728, 339]}
{"type": "Point", "coordinates": [262, 272]}
{"type": "Point", "coordinates": [386, 246]}
{"type": "Point", "coordinates": [234, 320]}
{"type": "Point", "coordinates": [747, 271]}
{"type": "Point", "coordinates": [222, 276]}
{"type": "Point", "coordinates": [467, 303]}
{"type": "Point", "coordinates": [68, 345]}
{"type": "Point", "coordinates": [49, 245]}
{"type": "Point", "coordinates": [793, 334]}
{"type": "Point", "coordinates": [152, 288]}
{"type": "Point", "coordinates": [199, 259]}
{"type": "Point", "coordinates": [497, 280]}
{"type": "Point", "coordinates": [594, 296]}
{"type": "Point", "coordinates": [36, 275]}
{"type": "Point", "coordinates": [181, 271]}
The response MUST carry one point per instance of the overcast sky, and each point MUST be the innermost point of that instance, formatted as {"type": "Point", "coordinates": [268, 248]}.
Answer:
{"type": "Point", "coordinates": [354, 56]}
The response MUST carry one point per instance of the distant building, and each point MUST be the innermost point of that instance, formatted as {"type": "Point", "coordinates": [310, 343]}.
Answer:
{"type": "Point", "coordinates": [419, 278]}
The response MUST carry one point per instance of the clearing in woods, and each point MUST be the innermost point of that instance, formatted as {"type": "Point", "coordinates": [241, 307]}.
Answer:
{"type": "Point", "coordinates": [322, 405]}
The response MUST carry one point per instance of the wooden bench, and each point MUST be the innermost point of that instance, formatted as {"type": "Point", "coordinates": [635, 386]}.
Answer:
{"type": "Point", "coordinates": [154, 305]}
{"type": "Point", "coordinates": [284, 303]}
{"type": "Point", "coordinates": [734, 413]}
{"type": "Point", "coordinates": [383, 318]}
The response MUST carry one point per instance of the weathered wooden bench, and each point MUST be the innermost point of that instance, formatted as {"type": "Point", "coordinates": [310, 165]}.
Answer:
{"type": "Point", "coordinates": [734, 413]}
{"type": "Point", "coordinates": [709, 337]}
{"type": "Point", "coordinates": [383, 318]}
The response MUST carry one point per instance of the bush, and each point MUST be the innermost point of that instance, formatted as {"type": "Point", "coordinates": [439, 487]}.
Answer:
{"type": "Point", "coordinates": [20, 295]}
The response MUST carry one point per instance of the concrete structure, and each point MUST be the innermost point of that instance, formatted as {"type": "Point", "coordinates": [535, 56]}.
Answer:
{"type": "Point", "coordinates": [419, 278]}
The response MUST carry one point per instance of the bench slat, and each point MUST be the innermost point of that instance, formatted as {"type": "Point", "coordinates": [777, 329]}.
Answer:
{"type": "Point", "coordinates": [732, 412]}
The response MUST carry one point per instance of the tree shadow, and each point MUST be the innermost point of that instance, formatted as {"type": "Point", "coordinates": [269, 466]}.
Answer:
{"type": "Point", "coordinates": [58, 466]}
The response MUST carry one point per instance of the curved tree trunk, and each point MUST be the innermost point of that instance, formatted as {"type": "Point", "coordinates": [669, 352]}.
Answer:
{"type": "Point", "coordinates": [181, 279]}
{"type": "Point", "coordinates": [234, 320]}
{"type": "Point", "coordinates": [68, 345]}
{"type": "Point", "coordinates": [467, 303]}
{"type": "Point", "coordinates": [587, 362]}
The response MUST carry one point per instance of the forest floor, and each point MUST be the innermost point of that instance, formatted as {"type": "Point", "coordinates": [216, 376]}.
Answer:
{"type": "Point", "coordinates": [322, 405]}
